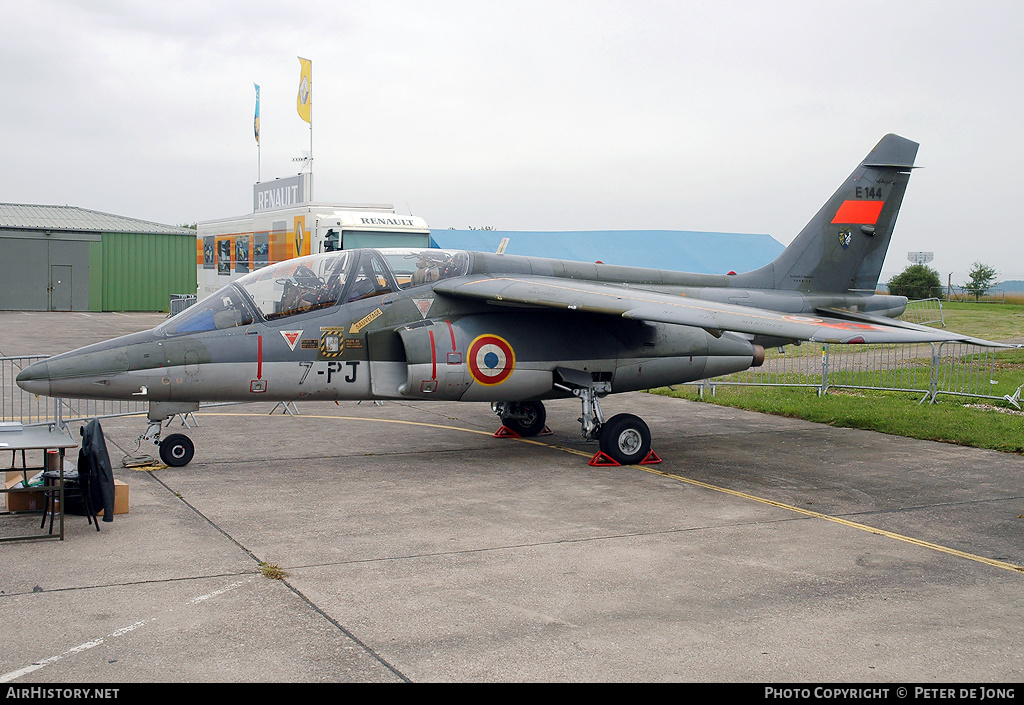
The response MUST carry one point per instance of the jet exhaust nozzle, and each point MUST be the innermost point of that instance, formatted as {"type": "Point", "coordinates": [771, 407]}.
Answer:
{"type": "Point", "coordinates": [758, 356]}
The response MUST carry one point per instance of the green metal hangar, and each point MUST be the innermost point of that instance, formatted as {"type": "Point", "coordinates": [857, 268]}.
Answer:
{"type": "Point", "coordinates": [62, 258]}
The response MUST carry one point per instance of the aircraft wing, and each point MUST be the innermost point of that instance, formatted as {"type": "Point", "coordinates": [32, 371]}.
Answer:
{"type": "Point", "coordinates": [884, 321]}
{"type": "Point", "coordinates": [715, 317]}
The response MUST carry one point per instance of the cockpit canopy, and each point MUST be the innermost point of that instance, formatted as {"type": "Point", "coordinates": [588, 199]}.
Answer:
{"type": "Point", "coordinates": [317, 282]}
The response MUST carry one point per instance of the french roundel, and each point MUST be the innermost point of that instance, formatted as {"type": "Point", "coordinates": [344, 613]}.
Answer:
{"type": "Point", "coordinates": [491, 359]}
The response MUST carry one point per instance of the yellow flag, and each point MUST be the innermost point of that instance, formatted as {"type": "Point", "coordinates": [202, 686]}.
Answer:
{"type": "Point", "coordinates": [304, 102]}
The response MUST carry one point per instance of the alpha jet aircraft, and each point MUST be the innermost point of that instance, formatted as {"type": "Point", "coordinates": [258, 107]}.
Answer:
{"type": "Point", "coordinates": [510, 330]}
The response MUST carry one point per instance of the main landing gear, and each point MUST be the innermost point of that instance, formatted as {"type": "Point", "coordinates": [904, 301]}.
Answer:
{"type": "Point", "coordinates": [624, 439]}
{"type": "Point", "coordinates": [524, 418]}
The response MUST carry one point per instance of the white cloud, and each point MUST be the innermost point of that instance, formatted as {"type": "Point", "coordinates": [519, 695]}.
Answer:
{"type": "Point", "coordinates": [731, 116]}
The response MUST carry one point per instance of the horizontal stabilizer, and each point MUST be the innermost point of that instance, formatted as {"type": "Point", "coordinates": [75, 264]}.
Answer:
{"type": "Point", "coordinates": [891, 166]}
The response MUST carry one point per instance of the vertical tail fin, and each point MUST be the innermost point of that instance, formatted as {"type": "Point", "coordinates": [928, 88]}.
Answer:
{"type": "Point", "coordinates": [843, 246]}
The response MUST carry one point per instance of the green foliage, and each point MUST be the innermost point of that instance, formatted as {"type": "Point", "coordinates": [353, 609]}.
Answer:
{"type": "Point", "coordinates": [918, 281]}
{"type": "Point", "coordinates": [982, 277]}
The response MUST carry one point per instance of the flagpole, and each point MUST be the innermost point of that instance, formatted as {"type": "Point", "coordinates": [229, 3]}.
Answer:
{"type": "Point", "coordinates": [311, 131]}
{"type": "Point", "coordinates": [311, 142]}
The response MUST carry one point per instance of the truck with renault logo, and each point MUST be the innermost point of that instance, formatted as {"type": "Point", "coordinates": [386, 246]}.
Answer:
{"type": "Point", "coordinates": [285, 224]}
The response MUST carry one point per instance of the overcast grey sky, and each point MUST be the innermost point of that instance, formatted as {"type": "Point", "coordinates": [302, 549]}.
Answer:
{"type": "Point", "coordinates": [726, 116]}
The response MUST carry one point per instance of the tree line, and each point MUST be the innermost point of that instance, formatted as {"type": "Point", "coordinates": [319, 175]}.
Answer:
{"type": "Point", "coordinates": [919, 281]}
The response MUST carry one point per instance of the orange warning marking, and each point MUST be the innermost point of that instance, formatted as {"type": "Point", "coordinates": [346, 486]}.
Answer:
{"type": "Point", "coordinates": [860, 212]}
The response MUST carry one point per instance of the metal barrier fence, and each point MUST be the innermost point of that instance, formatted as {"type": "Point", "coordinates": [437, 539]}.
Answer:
{"type": "Point", "coordinates": [18, 405]}
{"type": "Point", "coordinates": [929, 369]}
{"type": "Point", "coordinates": [924, 312]}
{"type": "Point", "coordinates": [179, 302]}
{"type": "Point", "coordinates": [67, 410]}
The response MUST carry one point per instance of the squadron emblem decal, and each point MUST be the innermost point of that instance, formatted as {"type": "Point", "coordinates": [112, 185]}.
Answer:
{"type": "Point", "coordinates": [491, 359]}
{"type": "Point", "coordinates": [845, 237]}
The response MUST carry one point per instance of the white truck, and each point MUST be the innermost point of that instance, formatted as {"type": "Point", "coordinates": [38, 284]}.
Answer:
{"type": "Point", "coordinates": [282, 226]}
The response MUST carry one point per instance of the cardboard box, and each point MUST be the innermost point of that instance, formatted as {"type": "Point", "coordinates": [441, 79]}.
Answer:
{"type": "Point", "coordinates": [22, 501]}
{"type": "Point", "coordinates": [34, 500]}
{"type": "Point", "coordinates": [13, 477]}
{"type": "Point", "coordinates": [120, 498]}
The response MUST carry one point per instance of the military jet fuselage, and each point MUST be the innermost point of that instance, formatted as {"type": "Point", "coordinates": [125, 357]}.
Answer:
{"type": "Point", "coordinates": [471, 326]}
{"type": "Point", "coordinates": [374, 324]}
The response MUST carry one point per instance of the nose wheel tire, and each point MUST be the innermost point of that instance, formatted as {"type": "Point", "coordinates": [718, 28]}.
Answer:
{"type": "Point", "coordinates": [177, 450]}
{"type": "Point", "coordinates": [626, 439]}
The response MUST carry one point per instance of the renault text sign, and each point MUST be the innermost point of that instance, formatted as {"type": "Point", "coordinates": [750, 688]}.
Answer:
{"type": "Point", "coordinates": [279, 193]}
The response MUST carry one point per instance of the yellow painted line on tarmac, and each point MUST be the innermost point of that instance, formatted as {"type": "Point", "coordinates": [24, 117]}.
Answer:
{"type": "Point", "coordinates": [696, 483]}
{"type": "Point", "coordinates": [837, 520]}
{"type": "Point", "coordinates": [355, 418]}
{"type": "Point", "coordinates": [489, 434]}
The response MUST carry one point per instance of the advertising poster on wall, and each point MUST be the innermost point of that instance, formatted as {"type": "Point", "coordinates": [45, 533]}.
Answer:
{"type": "Point", "coordinates": [209, 252]}
{"type": "Point", "coordinates": [224, 257]}
{"type": "Point", "coordinates": [242, 254]}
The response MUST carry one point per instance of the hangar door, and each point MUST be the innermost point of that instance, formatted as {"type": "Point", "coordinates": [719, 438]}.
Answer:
{"type": "Point", "coordinates": [41, 274]}
{"type": "Point", "coordinates": [60, 287]}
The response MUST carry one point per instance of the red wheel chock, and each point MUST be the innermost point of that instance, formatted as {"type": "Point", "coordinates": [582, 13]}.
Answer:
{"type": "Point", "coordinates": [506, 432]}
{"type": "Point", "coordinates": [651, 459]}
{"type": "Point", "coordinates": [603, 460]}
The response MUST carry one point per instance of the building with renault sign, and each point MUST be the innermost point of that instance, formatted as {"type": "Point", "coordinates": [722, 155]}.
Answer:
{"type": "Point", "coordinates": [285, 223]}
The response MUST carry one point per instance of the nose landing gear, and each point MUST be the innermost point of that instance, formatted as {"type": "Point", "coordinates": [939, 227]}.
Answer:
{"type": "Point", "coordinates": [177, 449]}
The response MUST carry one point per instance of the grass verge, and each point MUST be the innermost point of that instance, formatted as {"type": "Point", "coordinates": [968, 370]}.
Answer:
{"type": "Point", "coordinates": [967, 421]}
{"type": "Point", "coordinates": [992, 321]}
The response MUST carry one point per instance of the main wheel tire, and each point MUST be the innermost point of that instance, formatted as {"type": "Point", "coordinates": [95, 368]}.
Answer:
{"type": "Point", "coordinates": [532, 418]}
{"type": "Point", "coordinates": [177, 450]}
{"type": "Point", "coordinates": [626, 439]}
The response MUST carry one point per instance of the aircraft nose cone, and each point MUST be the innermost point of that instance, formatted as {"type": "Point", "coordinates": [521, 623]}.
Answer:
{"type": "Point", "coordinates": [35, 378]}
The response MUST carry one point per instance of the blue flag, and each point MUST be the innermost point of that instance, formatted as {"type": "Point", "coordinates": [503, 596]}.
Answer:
{"type": "Point", "coordinates": [256, 120]}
